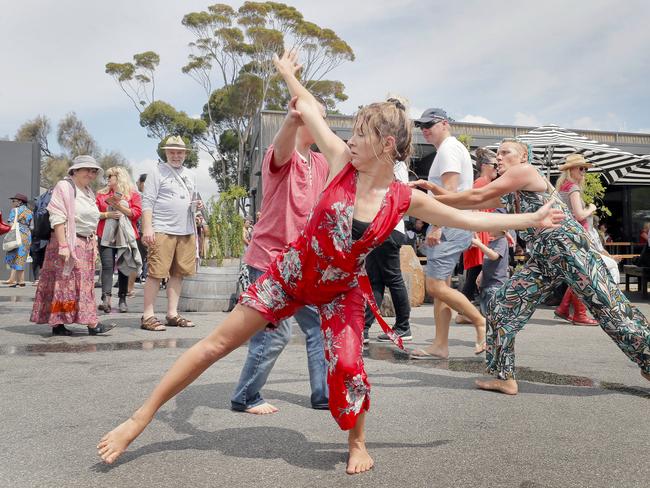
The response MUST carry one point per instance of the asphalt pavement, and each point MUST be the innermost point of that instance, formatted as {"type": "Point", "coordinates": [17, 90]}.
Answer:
{"type": "Point", "coordinates": [581, 418]}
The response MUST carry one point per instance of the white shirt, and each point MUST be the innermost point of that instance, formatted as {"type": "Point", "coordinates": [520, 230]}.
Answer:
{"type": "Point", "coordinates": [452, 157]}
{"type": "Point", "coordinates": [168, 194]}
{"type": "Point", "coordinates": [86, 214]}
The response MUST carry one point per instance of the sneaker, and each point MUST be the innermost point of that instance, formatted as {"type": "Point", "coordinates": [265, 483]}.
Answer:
{"type": "Point", "coordinates": [366, 336]}
{"type": "Point", "coordinates": [405, 335]}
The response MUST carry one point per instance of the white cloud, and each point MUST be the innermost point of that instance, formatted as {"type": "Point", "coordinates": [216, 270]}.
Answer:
{"type": "Point", "coordinates": [511, 63]}
{"type": "Point", "coordinates": [475, 119]}
{"type": "Point", "coordinates": [526, 119]}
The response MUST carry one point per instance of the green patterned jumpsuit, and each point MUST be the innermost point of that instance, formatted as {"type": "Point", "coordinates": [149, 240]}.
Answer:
{"type": "Point", "coordinates": [556, 255]}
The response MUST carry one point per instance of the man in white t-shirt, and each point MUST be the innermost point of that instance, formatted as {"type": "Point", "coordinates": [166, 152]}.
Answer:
{"type": "Point", "coordinates": [451, 169]}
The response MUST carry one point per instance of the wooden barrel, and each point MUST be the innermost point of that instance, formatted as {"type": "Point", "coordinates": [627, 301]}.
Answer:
{"type": "Point", "coordinates": [211, 289]}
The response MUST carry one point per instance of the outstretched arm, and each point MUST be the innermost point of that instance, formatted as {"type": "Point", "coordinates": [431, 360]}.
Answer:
{"type": "Point", "coordinates": [432, 211]}
{"type": "Point", "coordinates": [333, 148]}
{"type": "Point", "coordinates": [488, 196]}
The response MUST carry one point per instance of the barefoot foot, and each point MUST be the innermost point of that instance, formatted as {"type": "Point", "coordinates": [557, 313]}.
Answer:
{"type": "Point", "coordinates": [117, 440]}
{"type": "Point", "coordinates": [262, 409]}
{"type": "Point", "coordinates": [432, 352]}
{"type": "Point", "coordinates": [359, 461]}
{"type": "Point", "coordinates": [509, 387]}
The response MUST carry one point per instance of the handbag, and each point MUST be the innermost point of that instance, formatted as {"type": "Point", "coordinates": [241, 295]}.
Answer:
{"type": "Point", "coordinates": [12, 239]}
{"type": "Point", "coordinates": [4, 228]}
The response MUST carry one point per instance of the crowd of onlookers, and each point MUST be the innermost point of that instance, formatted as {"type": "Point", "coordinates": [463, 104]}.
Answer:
{"type": "Point", "coordinates": [151, 232]}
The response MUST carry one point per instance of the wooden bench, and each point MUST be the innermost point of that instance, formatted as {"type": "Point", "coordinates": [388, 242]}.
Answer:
{"type": "Point", "coordinates": [642, 274]}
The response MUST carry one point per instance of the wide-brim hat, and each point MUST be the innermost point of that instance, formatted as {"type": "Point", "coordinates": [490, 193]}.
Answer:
{"type": "Point", "coordinates": [85, 161]}
{"type": "Point", "coordinates": [575, 161]}
{"type": "Point", "coordinates": [175, 142]}
{"type": "Point", "coordinates": [20, 196]}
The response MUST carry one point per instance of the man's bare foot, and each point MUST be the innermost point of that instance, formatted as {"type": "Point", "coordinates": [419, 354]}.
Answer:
{"type": "Point", "coordinates": [117, 440]}
{"type": "Point", "coordinates": [645, 375]}
{"type": "Point", "coordinates": [359, 461]}
{"type": "Point", "coordinates": [262, 409]}
{"type": "Point", "coordinates": [509, 387]}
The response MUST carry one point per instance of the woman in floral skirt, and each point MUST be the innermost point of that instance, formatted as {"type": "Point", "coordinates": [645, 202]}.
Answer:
{"type": "Point", "coordinates": [65, 293]}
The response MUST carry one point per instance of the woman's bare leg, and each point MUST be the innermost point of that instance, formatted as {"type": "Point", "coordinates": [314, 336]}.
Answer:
{"type": "Point", "coordinates": [238, 326]}
{"type": "Point", "coordinates": [359, 460]}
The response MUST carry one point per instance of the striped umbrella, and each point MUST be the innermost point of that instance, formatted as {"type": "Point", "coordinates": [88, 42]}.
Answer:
{"type": "Point", "coordinates": [634, 175]}
{"type": "Point", "coordinates": [551, 144]}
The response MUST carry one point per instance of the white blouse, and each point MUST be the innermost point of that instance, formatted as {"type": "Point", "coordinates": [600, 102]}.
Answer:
{"type": "Point", "coordinates": [86, 214]}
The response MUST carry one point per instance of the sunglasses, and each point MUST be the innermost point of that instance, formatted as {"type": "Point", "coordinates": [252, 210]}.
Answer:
{"type": "Point", "coordinates": [583, 170]}
{"type": "Point", "coordinates": [427, 125]}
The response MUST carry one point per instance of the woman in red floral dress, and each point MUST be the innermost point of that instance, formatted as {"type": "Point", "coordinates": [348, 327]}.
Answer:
{"type": "Point", "coordinates": [325, 265]}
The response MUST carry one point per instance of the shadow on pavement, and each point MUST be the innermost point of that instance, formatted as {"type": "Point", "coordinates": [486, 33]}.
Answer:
{"type": "Point", "coordinates": [263, 443]}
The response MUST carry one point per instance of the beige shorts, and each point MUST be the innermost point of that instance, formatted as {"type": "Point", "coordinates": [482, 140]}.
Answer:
{"type": "Point", "coordinates": [171, 255]}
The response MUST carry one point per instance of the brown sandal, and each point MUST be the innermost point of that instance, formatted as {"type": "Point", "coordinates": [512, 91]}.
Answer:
{"type": "Point", "coordinates": [152, 323]}
{"type": "Point", "coordinates": [179, 321]}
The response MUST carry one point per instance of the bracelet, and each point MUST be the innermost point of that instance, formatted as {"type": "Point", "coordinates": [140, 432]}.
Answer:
{"type": "Point", "coordinates": [63, 244]}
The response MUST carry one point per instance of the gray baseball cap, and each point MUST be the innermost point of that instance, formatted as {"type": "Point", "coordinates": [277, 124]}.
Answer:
{"type": "Point", "coordinates": [432, 115]}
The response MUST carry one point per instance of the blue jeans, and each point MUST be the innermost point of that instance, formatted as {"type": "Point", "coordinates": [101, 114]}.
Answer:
{"type": "Point", "coordinates": [265, 347]}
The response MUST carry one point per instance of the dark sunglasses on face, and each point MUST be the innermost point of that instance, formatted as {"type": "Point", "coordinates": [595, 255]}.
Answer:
{"type": "Point", "coordinates": [583, 170]}
{"type": "Point", "coordinates": [426, 125]}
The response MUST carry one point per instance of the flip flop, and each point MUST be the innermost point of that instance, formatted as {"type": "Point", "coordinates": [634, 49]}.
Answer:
{"type": "Point", "coordinates": [483, 349]}
{"type": "Point", "coordinates": [422, 354]}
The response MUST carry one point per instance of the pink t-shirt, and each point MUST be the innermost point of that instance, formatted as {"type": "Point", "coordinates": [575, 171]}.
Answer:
{"type": "Point", "coordinates": [288, 195]}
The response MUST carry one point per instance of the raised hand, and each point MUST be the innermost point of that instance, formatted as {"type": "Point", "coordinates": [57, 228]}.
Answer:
{"type": "Point", "coordinates": [287, 64]}
{"type": "Point", "coordinates": [293, 113]}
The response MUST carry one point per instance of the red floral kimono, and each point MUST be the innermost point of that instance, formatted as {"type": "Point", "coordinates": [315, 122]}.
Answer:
{"type": "Point", "coordinates": [324, 267]}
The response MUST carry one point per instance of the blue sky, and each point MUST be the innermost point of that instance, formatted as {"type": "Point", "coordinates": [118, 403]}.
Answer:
{"type": "Point", "coordinates": [578, 63]}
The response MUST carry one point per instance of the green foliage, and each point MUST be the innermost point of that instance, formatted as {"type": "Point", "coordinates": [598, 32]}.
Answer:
{"type": "Point", "coordinates": [162, 120]}
{"type": "Point", "coordinates": [233, 51]}
{"type": "Point", "coordinates": [593, 192]}
{"type": "Point", "coordinates": [226, 224]}
{"type": "Point", "coordinates": [224, 166]}
{"type": "Point", "coordinates": [466, 140]}
{"type": "Point", "coordinates": [136, 79]}
{"type": "Point", "coordinates": [231, 59]}
{"type": "Point", "coordinates": [74, 139]}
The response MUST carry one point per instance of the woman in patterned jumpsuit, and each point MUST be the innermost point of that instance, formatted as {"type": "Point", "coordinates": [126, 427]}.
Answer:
{"type": "Point", "coordinates": [561, 254]}
{"type": "Point", "coordinates": [325, 265]}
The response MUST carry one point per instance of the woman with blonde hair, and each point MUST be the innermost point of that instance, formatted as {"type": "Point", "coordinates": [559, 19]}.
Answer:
{"type": "Point", "coordinates": [117, 201]}
{"type": "Point", "coordinates": [570, 186]}
{"type": "Point", "coordinates": [562, 254]}
{"type": "Point", "coordinates": [356, 212]}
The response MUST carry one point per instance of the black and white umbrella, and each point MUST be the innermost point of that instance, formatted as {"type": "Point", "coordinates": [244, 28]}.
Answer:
{"type": "Point", "coordinates": [634, 175]}
{"type": "Point", "coordinates": [551, 144]}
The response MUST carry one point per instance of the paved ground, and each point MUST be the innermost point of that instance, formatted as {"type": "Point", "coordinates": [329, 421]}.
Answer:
{"type": "Point", "coordinates": [580, 420]}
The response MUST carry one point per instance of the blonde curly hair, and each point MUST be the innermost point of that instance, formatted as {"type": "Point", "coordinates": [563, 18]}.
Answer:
{"type": "Point", "coordinates": [124, 183]}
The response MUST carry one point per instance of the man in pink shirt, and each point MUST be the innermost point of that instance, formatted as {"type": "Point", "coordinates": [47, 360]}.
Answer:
{"type": "Point", "coordinates": [293, 176]}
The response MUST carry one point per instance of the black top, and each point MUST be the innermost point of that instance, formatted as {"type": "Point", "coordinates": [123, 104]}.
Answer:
{"type": "Point", "coordinates": [358, 228]}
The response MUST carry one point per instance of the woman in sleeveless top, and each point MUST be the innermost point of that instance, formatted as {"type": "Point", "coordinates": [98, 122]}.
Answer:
{"type": "Point", "coordinates": [325, 265]}
{"type": "Point", "coordinates": [561, 254]}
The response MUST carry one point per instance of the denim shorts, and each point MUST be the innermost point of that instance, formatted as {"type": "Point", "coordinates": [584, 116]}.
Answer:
{"type": "Point", "coordinates": [442, 258]}
{"type": "Point", "coordinates": [486, 295]}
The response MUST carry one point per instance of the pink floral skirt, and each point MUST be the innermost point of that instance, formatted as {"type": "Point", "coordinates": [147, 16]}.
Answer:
{"type": "Point", "coordinates": [66, 299]}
